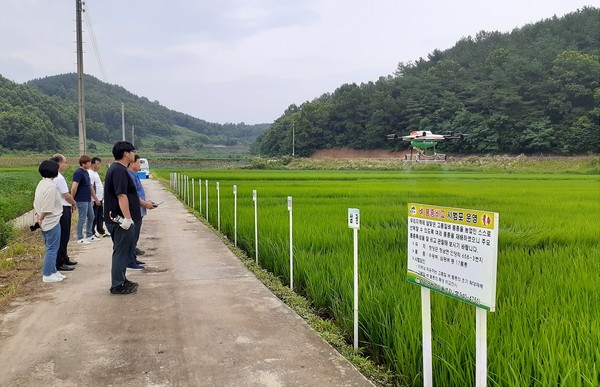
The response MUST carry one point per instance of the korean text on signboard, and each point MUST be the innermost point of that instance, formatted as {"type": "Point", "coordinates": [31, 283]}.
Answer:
{"type": "Point", "coordinates": [454, 251]}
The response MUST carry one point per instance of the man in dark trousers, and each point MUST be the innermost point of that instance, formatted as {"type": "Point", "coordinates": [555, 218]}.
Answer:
{"type": "Point", "coordinates": [121, 211]}
{"type": "Point", "coordinates": [63, 263]}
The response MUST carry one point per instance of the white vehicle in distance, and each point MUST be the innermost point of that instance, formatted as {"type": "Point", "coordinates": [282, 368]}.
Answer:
{"type": "Point", "coordinates": [145, 167]}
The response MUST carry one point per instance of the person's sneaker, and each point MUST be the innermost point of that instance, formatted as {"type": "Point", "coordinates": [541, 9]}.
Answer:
{"type": "Point", "coordinates": [131, 283]}
{"type": "Point", "coordinates": [139, 252]}
{"type": "Point", "coordinates": [83, 242]}
{"type": "Point", "coordinates": [51, 278]}
{"type": "Point", "coordinates": [99, 235]}
{"type": "Point", "coordinates": [124, 288]}
{"type": "Point", "coordinates": [61, 275]}
{"type": "Point", "coordinates": [94, 238]}
{"type": "Point", "coordinates": [135, 266]}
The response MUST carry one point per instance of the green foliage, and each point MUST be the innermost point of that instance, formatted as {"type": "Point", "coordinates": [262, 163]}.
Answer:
{"type": "Point", "coordinates": [533, 90]}
{"type": "Point", "coordinates": [40, 114]}
{"type": "Point", "coordinates": [17, 189]}
{"type": "Point", "coordinates": [546, 326]}
{"type": "Point", "coordinates": [6, 232]}
{"type": "Point", "coordinates": [16, 197]}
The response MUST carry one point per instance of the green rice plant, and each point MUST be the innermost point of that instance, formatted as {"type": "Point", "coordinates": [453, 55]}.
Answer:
{"type": "Point", "coordinates": [17, 188]}
{"type": "Point", "coordinates": [547, 323]}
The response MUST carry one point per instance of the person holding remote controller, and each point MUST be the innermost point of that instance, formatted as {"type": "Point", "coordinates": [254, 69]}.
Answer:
{"type": "Point", "coordinates": [134, 168]}
{"type": "Point", "coordinates": [121, 212]}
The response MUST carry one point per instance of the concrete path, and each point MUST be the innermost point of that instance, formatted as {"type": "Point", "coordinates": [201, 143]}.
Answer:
{"type": "Point", "coordinates": [200, 318]}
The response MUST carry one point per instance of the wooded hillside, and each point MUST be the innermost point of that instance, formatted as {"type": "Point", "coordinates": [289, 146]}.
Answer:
{"type": "Point", "coordinates": [535, 89]}
{"type": "Point", "coordinates": [38, 115]}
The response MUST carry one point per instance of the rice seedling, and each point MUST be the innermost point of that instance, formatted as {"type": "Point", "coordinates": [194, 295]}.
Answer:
{"type": "Point", "coordinates": [546, 328]}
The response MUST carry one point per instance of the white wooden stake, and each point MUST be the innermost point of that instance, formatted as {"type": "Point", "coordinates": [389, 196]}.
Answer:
{"type": "Point", "coordinates": [193, 194]}
{"type": "Point", "coordinates": [480, 347]}
{"type": "Point", "coordinates": [187, 190]}
{"type": "Point", "coordinates": [218, 207]}
{"type": "Point", "coordinates": [200, 196]}
{"type": "Point", "coordinates": [355, 288]}
{"type": "Point", "coordinates": [426, 325]}
{"type": "Point", "coordinates": [354, 223]}
{"type": "Point", "coordinates": [291, 245]}
{"type": "Point", "coordinates": [254, 197]}
{"type": "Point", "coordinates": [235, 215]}
{"type": "Point", "coordinates": [206, 189]}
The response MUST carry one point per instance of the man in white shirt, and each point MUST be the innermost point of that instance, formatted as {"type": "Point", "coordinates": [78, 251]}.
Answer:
{"type": "Point", "coordinates": [97, 186]}
{"type": "Point", "coordinates": [63, 262]}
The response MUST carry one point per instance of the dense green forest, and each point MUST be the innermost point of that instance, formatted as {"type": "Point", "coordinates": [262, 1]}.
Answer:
{"type": "Point", "coordinates": [533, 90]}
{"type": "Point", "coordinates": [42, 113]}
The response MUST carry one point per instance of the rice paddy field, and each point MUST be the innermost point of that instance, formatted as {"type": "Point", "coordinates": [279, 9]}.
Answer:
{"type": "Point", "coordinates": [17, 187]}
{"type": "Point", "coordinates": [546, 327]}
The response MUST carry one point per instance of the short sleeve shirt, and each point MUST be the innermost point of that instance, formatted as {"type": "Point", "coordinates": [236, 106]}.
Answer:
{"type": "Point", "coordinates": [63, 188]}
{"type": "Point", "coordinates": [84, 191]}
{"type": "Point", "coordinates": [47, 199]}
{"type": "Point", "coordinates": [140, 190]}
{"type": "Point", "coordinates": [97, 184]}
{"type": "Point", "coordinates": [118, 182]}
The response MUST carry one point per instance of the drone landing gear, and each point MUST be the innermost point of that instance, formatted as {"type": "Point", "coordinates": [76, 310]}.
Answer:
{"type": "Point", "coordinates": [421, 155]}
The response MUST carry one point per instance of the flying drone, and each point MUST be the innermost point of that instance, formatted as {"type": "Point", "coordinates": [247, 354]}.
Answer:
{"type": "Point", "coordinates": [424, 142]}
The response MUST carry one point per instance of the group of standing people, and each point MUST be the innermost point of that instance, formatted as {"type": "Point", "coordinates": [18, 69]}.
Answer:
{"type": "Point", "coordinates": [120, 203]}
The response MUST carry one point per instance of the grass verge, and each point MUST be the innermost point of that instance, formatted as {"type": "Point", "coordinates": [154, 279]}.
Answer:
{"type": "Point", "coordinates": [20, 260]}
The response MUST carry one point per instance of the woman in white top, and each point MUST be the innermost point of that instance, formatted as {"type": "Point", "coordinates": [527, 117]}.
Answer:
{"type": "Point", "coordinates": [48, 210]}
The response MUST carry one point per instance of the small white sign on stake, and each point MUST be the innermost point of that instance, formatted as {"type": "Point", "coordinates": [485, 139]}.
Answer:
{"type": "Point", "coordinates": [218, 206]}
{"type": "Point", "coordinates": [354, 218]}
{"type": "Point", "coordinates": [289, 206]}
{"type": "Point", "coordinates": [235, 215]}
{"type": "Point", "coordinates": [354, 224]}
{"type": "Point", "coordinates": [254, 197]}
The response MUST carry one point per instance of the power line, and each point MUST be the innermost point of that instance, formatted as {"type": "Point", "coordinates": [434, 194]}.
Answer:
{"type": "Point", "coordinates": [88, 22]}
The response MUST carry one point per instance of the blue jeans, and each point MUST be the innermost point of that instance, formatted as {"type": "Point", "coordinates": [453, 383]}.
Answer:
{"type": "Point", "coordinates": [86, 215]}
{"type": "Point", "coordinates": [52, 241]}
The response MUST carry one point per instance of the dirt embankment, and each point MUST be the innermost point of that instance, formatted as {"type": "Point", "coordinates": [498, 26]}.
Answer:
{"type": "Point", "coordinates": [346, 153]}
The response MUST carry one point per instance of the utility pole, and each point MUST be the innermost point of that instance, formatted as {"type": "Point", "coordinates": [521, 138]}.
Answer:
{"type": "Point", "coordinates": [123, 120]}
{"type": "Point", "coordinates": [80, 94]}
{"type": "Point", "coordinates": [294, 138]}
{"type": "Point", "coordinates": [132, 135]}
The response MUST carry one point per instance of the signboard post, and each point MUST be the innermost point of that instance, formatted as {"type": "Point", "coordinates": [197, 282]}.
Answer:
{"type": "Point", "coordinates": [235, 215]}
{"type": "Point", "coordinates": [193, 194]}
{"type": "Point", "coordinates": [254, 198]}
{"type": "Point", "coordinates": [187, 190]}
{"type": "Point", "coordinates": [454, 251]}
{"type": "Point", "coordinates": [289, 205]}
{"type": "Point", "coordinates": [206, 190]}
{"type": "Point", "coordinates": [354, 223]}
{"type": "Point", "coordinates": [218, 207]}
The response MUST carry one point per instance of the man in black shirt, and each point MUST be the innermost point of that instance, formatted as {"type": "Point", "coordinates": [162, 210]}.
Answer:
{"type": "Point", "coordinates": [121, 211]}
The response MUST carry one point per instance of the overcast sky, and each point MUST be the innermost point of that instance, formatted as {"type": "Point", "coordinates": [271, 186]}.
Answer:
{"type": "Point", "coordinates": [245, 60]}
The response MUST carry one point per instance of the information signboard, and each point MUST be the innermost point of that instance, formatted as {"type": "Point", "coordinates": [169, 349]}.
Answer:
{"type": "Point", "coordinates": [454, 251]}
